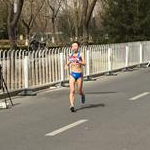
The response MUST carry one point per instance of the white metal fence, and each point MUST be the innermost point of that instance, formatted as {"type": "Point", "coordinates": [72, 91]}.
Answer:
{"type": "Point", "coordinates": [46, 67]}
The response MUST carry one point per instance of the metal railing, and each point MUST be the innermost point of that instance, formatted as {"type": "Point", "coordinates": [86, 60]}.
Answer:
{"type": "Point", "coordinates": [22, 69]}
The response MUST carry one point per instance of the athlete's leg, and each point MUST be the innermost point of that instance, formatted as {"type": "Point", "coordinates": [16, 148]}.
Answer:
{"type": "Point", "coordinates": [80, 89]}
{"type": "Point", "coordinates": [72, 90]}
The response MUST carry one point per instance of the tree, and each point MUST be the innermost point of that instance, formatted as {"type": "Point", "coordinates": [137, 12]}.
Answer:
{"type": "Point", "coordinates": [71, 17]}
{"type": "Point", "coordinates": [66, 26]}
{"type": "Point", "coordinates": [30, 12]}
{"type": "Point", "coordinates": [54, 6]}
{"type": "Point", "coordinates": [14, 8]}
{"type": "Point", "coordinates": [126, 20]}
{"type": "Point", "coordinates": [3, 20]}
{"type": "Point", "coordinates": [78, 15]}
{"type": "Point", "coordinates": [88, 8]}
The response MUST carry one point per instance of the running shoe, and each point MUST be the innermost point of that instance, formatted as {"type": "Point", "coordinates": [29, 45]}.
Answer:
{"type": "Point", "coordinates": [72, 109]}
{"type": "Point", "coordinates": [83, 98]}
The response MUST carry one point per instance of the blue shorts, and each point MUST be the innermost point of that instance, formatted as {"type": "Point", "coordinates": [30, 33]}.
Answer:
{"type": "Point", "coordinates": [76, 75]}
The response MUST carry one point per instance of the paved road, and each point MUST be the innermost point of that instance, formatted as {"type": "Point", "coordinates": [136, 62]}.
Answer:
{"type": "Point", "coordinates": [116, 116]}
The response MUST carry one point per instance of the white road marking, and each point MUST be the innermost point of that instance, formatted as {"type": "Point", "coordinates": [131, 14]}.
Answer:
{"type": "Point", "coordinates": [139, 96]}
{"type": "Point", "coordinates": [66, 128]}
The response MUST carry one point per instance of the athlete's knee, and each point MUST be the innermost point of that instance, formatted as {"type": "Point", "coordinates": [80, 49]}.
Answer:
{"type": "Point", "coordinates": [72, 91]}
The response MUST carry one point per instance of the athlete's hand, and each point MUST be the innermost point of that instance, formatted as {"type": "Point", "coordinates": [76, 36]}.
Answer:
{"type": "Point", "coordinates": [67, 66]}
{"type": "Point", "coordinates": [77, 60]}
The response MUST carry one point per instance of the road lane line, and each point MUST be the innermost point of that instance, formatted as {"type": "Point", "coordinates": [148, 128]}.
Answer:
{"type": "Point", "coordinates": [66, 128]}
{"type": "Point", "coordinates": [139, 96]}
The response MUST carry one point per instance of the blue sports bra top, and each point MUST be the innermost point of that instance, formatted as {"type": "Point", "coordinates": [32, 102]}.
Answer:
{"type": "Point", "coordinates": [75, 58]}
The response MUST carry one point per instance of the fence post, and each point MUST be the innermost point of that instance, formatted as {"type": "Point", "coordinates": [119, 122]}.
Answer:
{"type": "Point", "coordinates": [26, 76]}
{"type": "Point", "coordinates": [88, 62]}
{"type": "Point", "coordinates": [141, 55]}
{"type": "Point", "coordinates": [26, 91]}
{"type": "Point", "coordinates": [88, 66]}
{"type": "Point", "coordinates": [127, 57]}
{"type": "Point", "coordinates": [110, 62]}
{"type": "Point", "coordinates": [62, 67]}
{"type": "Point", "coordinates": [127, 60]}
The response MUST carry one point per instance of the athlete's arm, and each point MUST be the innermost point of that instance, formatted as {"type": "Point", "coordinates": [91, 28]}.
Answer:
{"type": "Point", "coordinates": [82, 62]}
{"type": "Point", "coordinates": [67, 64]}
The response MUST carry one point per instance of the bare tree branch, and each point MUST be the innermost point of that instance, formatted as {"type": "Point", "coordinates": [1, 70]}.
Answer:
{"type": "Point", "coordinates": [32, 16]}
{"type": "Point", "coordinates": [90, 10]}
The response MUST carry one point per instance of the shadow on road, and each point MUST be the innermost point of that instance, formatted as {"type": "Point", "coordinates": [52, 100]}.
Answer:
{"type": "Point", "coordinates": [100, 92]}
{"type": "Point", "coordinates": [16, 104]}
{"type": "Point", "coordinates": [88, 106]}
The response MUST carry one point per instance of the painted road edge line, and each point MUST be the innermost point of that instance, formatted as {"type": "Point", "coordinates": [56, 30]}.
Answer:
{"type": "Point", "coordinates": [139, 96]}
{"type": "Point", "coordinates": [66, 128]}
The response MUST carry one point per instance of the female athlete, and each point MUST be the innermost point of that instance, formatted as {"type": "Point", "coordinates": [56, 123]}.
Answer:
{"type": "Point", "coordinates": [76, 61]}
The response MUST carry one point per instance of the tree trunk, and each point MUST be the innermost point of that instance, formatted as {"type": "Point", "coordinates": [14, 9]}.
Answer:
{"type": "Point", "coordinates": [27, 28]}
{"type": "Point", "coordinates": [12, 36]}
{"type": "Point", "coordinates": [11, 28]}
{"type": "Point", "coordinates": [86, 17]}
{"type": "Point", "coordinates": [12, 21]}
{"type": "Point", "coordinates": [53, 29]}
{"type": "Point", "coordinates": [85, 33]}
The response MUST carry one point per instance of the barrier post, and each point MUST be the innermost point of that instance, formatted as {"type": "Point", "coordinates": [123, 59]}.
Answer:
{"type": "Point", "coordinates": [127, 60]}
{"type": "Point", "coordinates": [26, 91]}
{"type": "Point", "coordinates": [88, 66]}
{"type": "Point", "coordinates": [61, 68]}
{"type": "Point", "coordinates": [110, 72]}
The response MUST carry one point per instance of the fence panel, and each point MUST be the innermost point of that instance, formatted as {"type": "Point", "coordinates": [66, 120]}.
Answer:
{"type": "Point", "coordinates": [45, 66]}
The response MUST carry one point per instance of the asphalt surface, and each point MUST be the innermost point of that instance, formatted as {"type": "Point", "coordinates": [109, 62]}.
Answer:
{"type": "Point", "coordinates": [112, 120]}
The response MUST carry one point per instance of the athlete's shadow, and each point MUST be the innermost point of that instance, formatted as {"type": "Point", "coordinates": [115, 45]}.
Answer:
{"type": "Point", "coordinates": [88, 106]}
{"type": "Point", "coordinates": [100, 93]}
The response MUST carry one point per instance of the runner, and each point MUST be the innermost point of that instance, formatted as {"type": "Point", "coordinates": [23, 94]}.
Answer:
{"type": "Point", "coordinates": [76, 61]}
